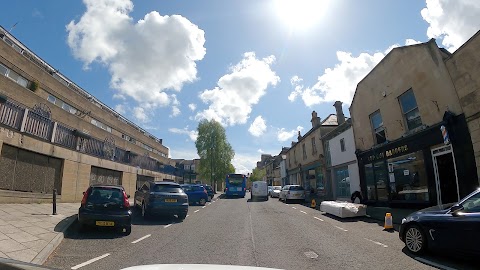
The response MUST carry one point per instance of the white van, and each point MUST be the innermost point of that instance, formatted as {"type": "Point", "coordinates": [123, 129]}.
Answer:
{"type": "Point", "coordinates": [259, 191]}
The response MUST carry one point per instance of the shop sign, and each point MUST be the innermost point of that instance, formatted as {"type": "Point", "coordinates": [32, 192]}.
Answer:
{"type": "Point", "coordinates": [389, 153]}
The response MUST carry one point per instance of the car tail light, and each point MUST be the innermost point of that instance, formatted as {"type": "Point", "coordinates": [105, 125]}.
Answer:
{"type": "Point", "coordinates": [84, 199]}
{"type": "Point", "coordinates": [244, 189]}
{"type": "Point", "coordinates": [126, 203]}
{"type": "Point", "coordinates": [204, 190]}
{"type": "Point", "coordinates": [226, 189]}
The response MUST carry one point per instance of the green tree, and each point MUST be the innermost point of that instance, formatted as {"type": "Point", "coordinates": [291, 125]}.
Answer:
{"type": "Point", "coordinates": [257, 174]}
{"type": "Point", "coordinates": [214, 150]}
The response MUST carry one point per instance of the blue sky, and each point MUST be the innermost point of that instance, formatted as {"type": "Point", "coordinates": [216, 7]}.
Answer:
{"type": "Point", "coordinates": [260, 67]}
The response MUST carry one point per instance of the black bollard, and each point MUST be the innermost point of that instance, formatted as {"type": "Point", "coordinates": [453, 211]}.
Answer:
{"type": "Point", "coordinates": [54, 201]}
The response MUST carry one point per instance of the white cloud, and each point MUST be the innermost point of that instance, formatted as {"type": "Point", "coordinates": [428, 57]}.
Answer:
{"type": "Point", "coordinates": [121, 108]}
{"type": "Point", "coordinates": [193, 134]}
{"type": "Point", "coordinates": [285, 135]}
{"type": "Point", "coordinates": [146, 57]}
{"type": "Point", "coordinates": [260, 151]}
{"type": "Point", "coordinates": [192, 106]}
{"type": "Point", "coordinates": [452, 21]}
{"type": "Point", "coordinates": [232, 100]}
{"type": "Point", "coordinates": [140, 114]}
{"type": "Point", "coordinates": [175, 111]}
{"type": "Point", "coordinates": [258, 127]}
{"type": "Point", "coordinates": [244, 163]}
{"type": "Point", "coordinates": [339, 82]}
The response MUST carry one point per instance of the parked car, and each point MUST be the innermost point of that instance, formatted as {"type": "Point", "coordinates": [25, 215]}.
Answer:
{"type": "Point", "coordinates": [197, 194]}
{"type": "Point", "coordinates": [210, 192]}
{"type": "Point", "coordinates": [259, 191]}
{"type": "Point", "coordinates": [162, 198]}
{"type": "Point", "coordinates": [105, 206]}
{"type": "Point", "coordinates": [452, 227]}
{"type": "Point", "coordinates": [275, 192]}
{"type": "Point", "coordinates": [292, 192]}
{"type": "Point", "coordinates": [270, 188]}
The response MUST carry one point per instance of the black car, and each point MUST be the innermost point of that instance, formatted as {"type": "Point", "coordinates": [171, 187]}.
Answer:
{"type": "Point", "coordinates": [105, 206]}
{"type": "Point", "coordinates": [452, 227]}
{"type": "Point", "coordinates": [162, 198]}
{"type": "Point", "coordinates": [210, 191]}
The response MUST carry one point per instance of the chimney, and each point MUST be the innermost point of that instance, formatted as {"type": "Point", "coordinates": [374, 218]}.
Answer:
{"type": "Point", "coordinates": [299, 136]}
{"type": "Point", "coordinates": [340, 116]}
{"type": "Point", "coordinates": [315, 120]}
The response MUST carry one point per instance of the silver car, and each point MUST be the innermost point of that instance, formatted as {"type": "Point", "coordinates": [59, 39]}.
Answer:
{"type": "Point", "coordinates": [275, 191]}
{"type": "Point", "coordinates": [292, 192]}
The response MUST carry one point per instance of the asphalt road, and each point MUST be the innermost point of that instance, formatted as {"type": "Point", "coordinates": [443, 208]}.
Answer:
{"type": "Point", "coordinates": [240, 232]}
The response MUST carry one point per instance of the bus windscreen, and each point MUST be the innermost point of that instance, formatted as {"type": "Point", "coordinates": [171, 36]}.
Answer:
{"type": "Point", "coordinates": [235, 180]}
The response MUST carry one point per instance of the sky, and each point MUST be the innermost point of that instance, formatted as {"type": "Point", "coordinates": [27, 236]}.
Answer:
{"type": "Point", "coordinates": [259, 67]}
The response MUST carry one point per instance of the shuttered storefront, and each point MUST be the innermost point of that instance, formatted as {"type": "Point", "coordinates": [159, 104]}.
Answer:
{"type": "Point", "coordinates": [105, 176]}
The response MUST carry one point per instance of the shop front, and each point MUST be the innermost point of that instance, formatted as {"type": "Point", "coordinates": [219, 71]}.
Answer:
{"type": "Point", "coordinates": [422, 169]}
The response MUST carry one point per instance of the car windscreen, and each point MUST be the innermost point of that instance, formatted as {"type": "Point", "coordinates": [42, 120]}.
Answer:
{"type": "Point", "coordinates": [235, 180]}
{"type": "Point", "coordinates": [167, 188]}
{"type": "Point", "coordinates": [296, 188]}
{"type": "Point", "coordinates": [197, 188]}
{"type": "Point", "coordinates": [105, 195]}
{"type": "Point", "coordinates": [277, 188]}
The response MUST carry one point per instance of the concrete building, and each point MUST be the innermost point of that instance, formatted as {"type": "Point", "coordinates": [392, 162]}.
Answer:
{"type": "Point", "coordinates": [54, 134]}
{"type": "Point", "coordinates": [305, 158]}
{"type": "Point", "coordinates": [464, 69]}
{"type": "Point", "coordinates": [187, 170]}
{"type": "Point", "coordinates": [399, 112]}
{"type": "Point", "coordinates": [342, 169]}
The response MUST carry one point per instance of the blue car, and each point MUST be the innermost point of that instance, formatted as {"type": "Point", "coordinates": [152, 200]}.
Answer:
{"type": "Point", "coordinates": [197, 194]}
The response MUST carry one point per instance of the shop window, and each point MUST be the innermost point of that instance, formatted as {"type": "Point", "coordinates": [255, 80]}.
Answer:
{"type": "Point", "coordinates": [342, 145]}
{"type": "Point", "coordinates": [410, 110]}
{"type": "Point", "coordinates": [408, 178]}
{"type": "Point", "coordinates": [342, 180]}
{"type": "Point", "coordinates": [378, 129]}
{"type": "Point", "coordinates": [370, 182]}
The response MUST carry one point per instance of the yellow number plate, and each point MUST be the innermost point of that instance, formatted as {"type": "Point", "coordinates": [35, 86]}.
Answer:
{"type": "Point", "coordinates": [105, 223]}
{"type": "Point", "coordinates": [170, 200]}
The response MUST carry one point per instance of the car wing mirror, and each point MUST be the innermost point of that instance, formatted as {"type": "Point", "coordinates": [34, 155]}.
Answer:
{"type": "Point", "coordinates": [83, 193]}
{"type": "Point", "coordinates": [128, 196]}
{"type": "Point", "coordinates": [456, 208]}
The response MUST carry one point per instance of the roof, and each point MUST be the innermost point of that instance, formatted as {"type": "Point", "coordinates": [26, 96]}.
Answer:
{"type": "Point", "coordinates": [331, 120]}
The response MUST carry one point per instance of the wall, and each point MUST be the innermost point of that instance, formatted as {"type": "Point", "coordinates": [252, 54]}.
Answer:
{"type": "Point", "coordinates": [464, 68]}
{"type": "Point", "coordinates": [336, 155]}
{"type": "Point", "coordinates": [420, 67]}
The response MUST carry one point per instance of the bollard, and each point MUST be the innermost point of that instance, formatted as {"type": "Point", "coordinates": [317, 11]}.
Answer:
{"type": "Point", "coordinates": [54, 201]}
{"type": "Point", "coordinates": [388, 222]}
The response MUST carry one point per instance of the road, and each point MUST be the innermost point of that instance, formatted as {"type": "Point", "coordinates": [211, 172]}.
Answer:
{"type": "Point", "coordinates": [239, 232]}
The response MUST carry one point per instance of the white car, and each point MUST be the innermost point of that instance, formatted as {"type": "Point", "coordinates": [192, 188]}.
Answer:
{"type": "Point", "coordinates": [275, 192]}
{"type": "Point", "coordinates": [292, 192]}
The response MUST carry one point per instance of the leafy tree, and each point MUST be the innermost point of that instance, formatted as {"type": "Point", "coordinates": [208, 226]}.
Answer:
{"type": "Point", "coordinates": [214, 150]}
{"type": "Point", "coordinates": [257, 174]}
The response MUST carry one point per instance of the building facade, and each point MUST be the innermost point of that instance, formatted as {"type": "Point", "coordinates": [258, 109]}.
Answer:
{"type": "Point", "coordinates": [412, 140]}
{"type": "Point", "coordinates": [305, 158]}
{"type": "Point", "coordinates": [55, 135]}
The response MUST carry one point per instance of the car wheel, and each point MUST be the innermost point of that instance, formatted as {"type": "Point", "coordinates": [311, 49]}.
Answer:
{"type": "Point", "coordinates": [128, 230]}
{"type": "Point", "coordinates": [203, 201]}
{"type": "Point", "coordinates": [144, 211]}
{"type": "Point", "coordinates": [182, 216]}
{"type": "Point", "coordinates": [266, 198]}
{"type": "Point", "coordinates": [415, 239]}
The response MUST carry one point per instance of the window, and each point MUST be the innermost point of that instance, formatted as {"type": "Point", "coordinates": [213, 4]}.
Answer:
{"type": "Point", "coordinates": [410, 110]}
{"type": "Point", "coordinates": [314, 146]}
{"type": "Point", "coordinates": [61, 104]}
{"type": "Point", "coordinates": [128, 138]}
{"type": "Point", "coordinates": [52, 99]}
{"type": "Point", "coordinates": [342, 180]}
{"type": "Point", "coordinates": [304, 151]}
{"type": "Point", "coordinates": [472, 204]}
{"type": "Point", "coordinates": [295, 156]}
{"type": "Point", "coordinates": [342, 145]}
{"type": "Point", "coordinates": [101, 125]}
{"type": "Point", "coordinates": [3, 70]}
{"type": "Point", "coordinates": [378, 129]}
{"type": "Point", "coordinates": [187, 167]}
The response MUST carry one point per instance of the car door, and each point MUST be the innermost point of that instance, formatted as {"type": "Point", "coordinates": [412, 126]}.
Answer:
{"type": "Point", "coordinates": [469, 224]}
{"type": "Point", "coordinates": [284, 191]}
{"type": "Point", "coordinates": [138, 197]}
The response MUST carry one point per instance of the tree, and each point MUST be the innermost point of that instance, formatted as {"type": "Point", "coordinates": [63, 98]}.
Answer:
{"type": "Point", "coordinates": [214, 150]}
{"type": "Point", "coordinates": [258, 174]}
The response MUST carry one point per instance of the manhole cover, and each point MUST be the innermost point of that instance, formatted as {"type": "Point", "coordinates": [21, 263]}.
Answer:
{"type": "Point", "coordinates": [311, 254]}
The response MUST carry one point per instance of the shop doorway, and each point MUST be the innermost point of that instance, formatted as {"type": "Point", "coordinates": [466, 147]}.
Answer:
{"type": "Point", "coordinates": [446, 179]}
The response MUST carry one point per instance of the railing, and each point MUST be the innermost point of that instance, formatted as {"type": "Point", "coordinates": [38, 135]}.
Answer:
{"type": "Point", "coordinates": [93, 147]}
{"type": "Point", "coordinates": [65, 136]}
{"type": "Point", "coordinates": [38, 125]}
{"type": "Point", "coordinates": [11, 114]}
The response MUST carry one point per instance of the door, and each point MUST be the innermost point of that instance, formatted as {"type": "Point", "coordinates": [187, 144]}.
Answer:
{"type": "Point", "coordinates": [445, 175]}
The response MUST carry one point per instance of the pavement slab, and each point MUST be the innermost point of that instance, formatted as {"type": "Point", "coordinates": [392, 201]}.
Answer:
{"type": "Point", "coordinates": [10, 245]}
{"type": "Point", "coordinates": [34, 230]}
{"type": "Point", "coordinates": [26, 255]}
{"type": "Point", "coordinates": [22, 237]}
{"type": "Point", "coordinates": [9, 229]}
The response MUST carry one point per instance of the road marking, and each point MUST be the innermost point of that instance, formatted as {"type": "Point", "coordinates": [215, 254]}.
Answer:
{"type": "Point", "coordinates": [340, 228]}
{"type": "Point", "coordinates": [140, 239]}
{"type": "Point", "coordinates": [166, 226]}
{"type": "Point", "coordinates": [196, 211]}
{"type": "Point", "coordinates": [375, 242]}
{"type": "Point", "coordinates": [303, 212]}
{"type": "Point", "coordinates": [434, 264]}
{"type": "Point", "coordinates": [318, 218]}
{"type": "Point", "coordinates": [187, 216]}
{"type": "Point", "coordinates": [287, 204]}
{"type": "Point", "coordinates": [294, 207]}
{"type": "Point", "coordinates": [209, 203]}
{"type": "Point", "coordinates": [204, 206]}
{"type": "Point", "coordinates": [90, 261]}
{"type": "Point", "coordinates": [311, 254]}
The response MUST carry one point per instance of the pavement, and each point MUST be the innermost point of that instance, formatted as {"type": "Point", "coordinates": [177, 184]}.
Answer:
{"type": "Point", "coordinates": [241, 232]}
{"type": "Point", "coordinates": [30, 233]}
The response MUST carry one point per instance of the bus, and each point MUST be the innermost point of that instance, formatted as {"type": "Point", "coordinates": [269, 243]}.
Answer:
{"type": "Point", "coordinates": [235, 185]}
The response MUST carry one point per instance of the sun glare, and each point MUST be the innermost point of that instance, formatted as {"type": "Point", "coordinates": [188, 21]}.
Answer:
{"type": "Point", "coordinates": [300, 14]}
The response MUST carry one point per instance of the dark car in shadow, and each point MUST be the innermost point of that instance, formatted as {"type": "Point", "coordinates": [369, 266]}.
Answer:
{"type": "Point", "coordinates": [105, 206]}
{"type": "Point", "coordinates": [210, 192]}
{"type": "Point", "coordinates": [454, 228]}
{"type": "Point", "coordinates": [161, 198]}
